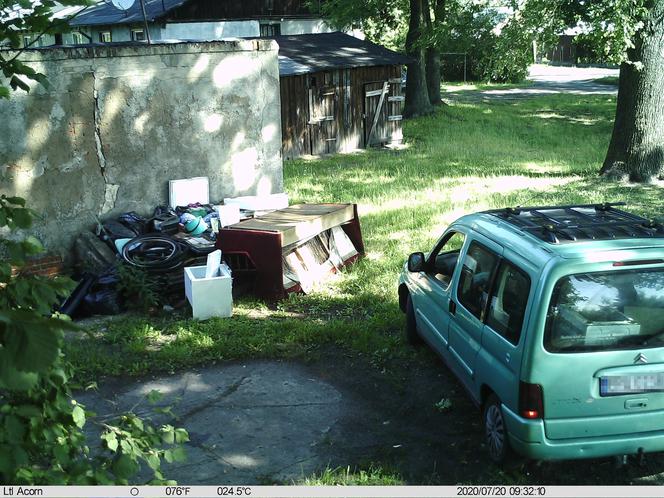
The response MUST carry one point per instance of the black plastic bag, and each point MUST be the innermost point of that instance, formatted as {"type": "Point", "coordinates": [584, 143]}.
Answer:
{"type": "Point", "coordinates": [92, 255]}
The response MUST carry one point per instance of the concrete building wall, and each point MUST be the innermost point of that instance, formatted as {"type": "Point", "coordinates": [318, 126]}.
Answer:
{"type": "Point", "coordinates": [121, 32]}
{"type": "Point", "coordinates": [209, 30]}
{"type": "Point", "coordinates": [304, 26]}
{"type": "Point", "coordinates": [118, 122]}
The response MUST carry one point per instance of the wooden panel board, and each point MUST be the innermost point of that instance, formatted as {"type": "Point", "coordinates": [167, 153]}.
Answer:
{"type": "Point", "coordinates": [347, 129]}
{"type": "Point", "coordinates": [300, 221]}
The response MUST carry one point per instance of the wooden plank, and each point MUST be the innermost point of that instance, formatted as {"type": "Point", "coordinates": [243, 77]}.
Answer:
{"type": "Point", "coordinates": [374, 93]}
{"type": "Point", "coordinates": [396, 117]}
{"type": "Point", "coordinates": [396, 98]}
{"type": "Point", "coordinates": [386, 87]}
{"type": "Point", "coordinates": [300, 221]}
{"type": "Point", "coordinates": [347, 97]}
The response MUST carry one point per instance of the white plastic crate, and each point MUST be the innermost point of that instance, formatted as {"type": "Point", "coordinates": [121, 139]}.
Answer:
{"type": "Point", "coordinates": [209, 296]}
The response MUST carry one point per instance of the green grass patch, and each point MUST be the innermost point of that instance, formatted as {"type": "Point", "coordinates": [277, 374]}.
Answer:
{"type": "Point", "coordinates": [374, 476]}
{"type": "Point", "coordinates": [473, 86]}
{"type": "Point", "coordinates": [140, 345]}
{"type": "Point", "coordinates": [464, 158]}
{"type": "Point", "coordinates": [607, 80]}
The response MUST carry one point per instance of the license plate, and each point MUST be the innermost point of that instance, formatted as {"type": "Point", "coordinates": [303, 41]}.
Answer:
{"type": "Point", "coordinates": [616, 385]}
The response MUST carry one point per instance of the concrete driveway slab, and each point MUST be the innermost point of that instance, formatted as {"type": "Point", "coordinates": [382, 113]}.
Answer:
{"type": "Point", "coordinates": [247, 422]}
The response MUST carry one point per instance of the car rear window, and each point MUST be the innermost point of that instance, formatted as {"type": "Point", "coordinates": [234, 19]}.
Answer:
{"type": "Point", "coordinates": [606, 311]}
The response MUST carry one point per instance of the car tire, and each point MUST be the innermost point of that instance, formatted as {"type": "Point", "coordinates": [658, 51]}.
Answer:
{"type": "Point", "coordinates": [412, 335]}
{"type": "Point", "coordinates": [495, 431]}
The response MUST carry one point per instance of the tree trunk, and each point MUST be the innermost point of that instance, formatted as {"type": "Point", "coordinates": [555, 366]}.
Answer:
{"type": "Point", "coordinates": [417, 95]}
{"type": "Point", "coordinates": [432, 59]}
{"type": "Point", "coordinates": [636, 149]}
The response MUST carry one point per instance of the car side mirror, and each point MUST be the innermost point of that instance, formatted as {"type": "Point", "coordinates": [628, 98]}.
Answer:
{"type": "Point", "coordinates": [416, 262]}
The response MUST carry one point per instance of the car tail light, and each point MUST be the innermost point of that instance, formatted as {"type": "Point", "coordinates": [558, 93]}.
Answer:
{"type": "Point", "coordinates": [531, 400]}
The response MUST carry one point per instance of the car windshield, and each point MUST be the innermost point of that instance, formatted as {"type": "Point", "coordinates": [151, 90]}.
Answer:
{"type": "Point", "coordinates": [606, 311]}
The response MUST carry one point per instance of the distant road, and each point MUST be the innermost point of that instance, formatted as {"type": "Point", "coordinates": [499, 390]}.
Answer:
{"type": "Point", "coordinates": [546, 80]}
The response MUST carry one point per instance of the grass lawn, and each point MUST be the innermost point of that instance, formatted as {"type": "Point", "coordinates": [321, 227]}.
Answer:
{"type": "Point", "coordinates": [466, 157]}
{"type": "Point", "coordinates": [452, 87]}
{"type": "Point", "coordinates": [607, 80]}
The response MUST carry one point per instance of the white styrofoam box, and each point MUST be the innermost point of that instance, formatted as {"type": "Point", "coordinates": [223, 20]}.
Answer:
{"type": "Point", "coordinates": [270, 202]}
{"type": "Point", "coordinates": [228, 215]}
{"type": "Point", "coordinates": [209, 296]}
{"type": "Point", "coordinates": [189, 191]}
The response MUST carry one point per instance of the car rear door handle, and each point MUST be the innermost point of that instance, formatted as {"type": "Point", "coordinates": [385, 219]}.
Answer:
{"type": "Point", "coordinates": [636, 403]}
{"type": "Point", "coordinates": [452, 307]}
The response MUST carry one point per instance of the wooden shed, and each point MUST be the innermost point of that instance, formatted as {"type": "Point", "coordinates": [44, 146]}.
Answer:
{"type": "Point", "coordinates": [338, 93]}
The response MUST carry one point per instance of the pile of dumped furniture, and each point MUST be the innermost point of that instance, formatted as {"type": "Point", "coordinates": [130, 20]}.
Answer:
{"type": "Point", "coordinates": [270, 249]}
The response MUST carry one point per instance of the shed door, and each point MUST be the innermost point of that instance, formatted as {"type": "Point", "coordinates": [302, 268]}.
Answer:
{"type": "Point", "coordinates": [382, 112]}
{"type": "Point", "coordinates": [323, 119]}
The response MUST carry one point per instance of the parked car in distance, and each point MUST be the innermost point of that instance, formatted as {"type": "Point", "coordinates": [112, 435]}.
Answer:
{"type": "Point", "coordinates": [552, 318]}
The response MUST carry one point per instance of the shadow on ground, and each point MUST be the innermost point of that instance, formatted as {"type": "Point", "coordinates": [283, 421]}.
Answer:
{"type": "Point", "coordinates": [266, 422]}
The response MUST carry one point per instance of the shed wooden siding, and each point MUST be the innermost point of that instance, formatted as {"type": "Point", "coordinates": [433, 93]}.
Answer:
{"type": "Point", "coordinates": [349, 109]}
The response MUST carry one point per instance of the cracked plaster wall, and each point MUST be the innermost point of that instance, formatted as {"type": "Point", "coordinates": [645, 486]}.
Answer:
{"type": "Point", "coordinates": [118, 122]}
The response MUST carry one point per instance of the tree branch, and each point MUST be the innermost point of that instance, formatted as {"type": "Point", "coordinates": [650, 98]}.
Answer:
{"type": "Point", "coordinates": [44, 31]}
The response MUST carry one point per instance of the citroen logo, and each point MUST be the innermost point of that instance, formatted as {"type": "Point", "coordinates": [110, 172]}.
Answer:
{"type": "Point", "coordinates": [640, 358]}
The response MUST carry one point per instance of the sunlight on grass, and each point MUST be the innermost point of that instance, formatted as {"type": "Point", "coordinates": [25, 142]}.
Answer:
{"type": "Point", "coordinates": [586, 120]}
{"type": "Point", "coordinates": [607, 80]}
{"type": "Point", "coordinates": [452, 87]}
{"type": "Point", "coordinates": [374, 476]}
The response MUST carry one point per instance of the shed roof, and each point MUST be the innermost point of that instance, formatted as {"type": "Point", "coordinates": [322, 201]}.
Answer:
{"type": "Point", "coordinates": [105, 13]}
{"type": "Point", "coordinates": [301, 54]}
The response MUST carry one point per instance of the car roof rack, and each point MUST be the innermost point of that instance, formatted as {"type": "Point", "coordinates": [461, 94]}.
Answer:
{"type": "Point", "coordinates": [579, 222]}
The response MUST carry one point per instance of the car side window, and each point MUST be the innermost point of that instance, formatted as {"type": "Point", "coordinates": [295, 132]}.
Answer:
{"type": "Point", "coordinates": [444, 260]}
{"type": "Point", "coordinates": [508, 302]}
{"type": "Point", "coordinates": [473, 290]}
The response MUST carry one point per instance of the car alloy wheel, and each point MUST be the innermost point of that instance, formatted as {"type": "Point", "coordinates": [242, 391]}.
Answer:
{"type": "Point", "coordinates": [495, 431]}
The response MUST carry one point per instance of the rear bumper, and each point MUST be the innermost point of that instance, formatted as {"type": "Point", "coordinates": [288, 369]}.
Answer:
{"type": "Point", "coordinates": [527, 437]}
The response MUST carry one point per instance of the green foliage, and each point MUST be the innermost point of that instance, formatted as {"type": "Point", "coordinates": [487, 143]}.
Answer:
{"type": "Point", "coordinates": [508, 60]}
{"type": "Point", "coordinates": [384, 22]}
{"type": "Point", "coordinates": [41, 425]}
{"type": "Point", "coordinates": [29, 336]}
{"type": "Point", "coordinates": [497, 39]}
{"type": "Point", "coordinates": [139, 290]}
{"type": "Point", "coordinates": [497, 35]}
{"type": "Point", "coordinates": [612, 26]}
{"type": "Point", "coordinates": [25, 16]}
{"type": "Point", "coordinates": [42, 439]}
{"type": "Point", "coordinates": [340, 476]}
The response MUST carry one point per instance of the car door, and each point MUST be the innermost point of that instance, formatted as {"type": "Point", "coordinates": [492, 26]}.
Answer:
{"type": "Point", "coordinates": [499, 361]}
{"type": "Point", "coordinates": [435, 284]}
{"type": "Point", "coordinates": [468, 305]}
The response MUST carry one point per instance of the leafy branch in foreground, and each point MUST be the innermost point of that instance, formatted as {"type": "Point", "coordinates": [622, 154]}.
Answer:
{"type": "Point", "coordinates": [18, 17]}
{"type": "Point", "coordinates": [41, 425]}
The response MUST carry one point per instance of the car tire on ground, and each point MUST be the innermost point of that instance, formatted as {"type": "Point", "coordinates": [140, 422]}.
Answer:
{"type": "Point", "coordinates": [495, 431]}
{"type": "Point", "coordinates": [412, 335]}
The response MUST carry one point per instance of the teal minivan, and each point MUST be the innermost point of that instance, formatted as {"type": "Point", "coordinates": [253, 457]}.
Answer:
{"type": "Point", "coordinates": [553, 319]}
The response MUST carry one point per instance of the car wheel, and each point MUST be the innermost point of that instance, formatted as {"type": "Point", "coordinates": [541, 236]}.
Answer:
{"type": "Point", "coordinates": [412, 336]}
{"type": "Point", "coordinates": [495, 431]}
